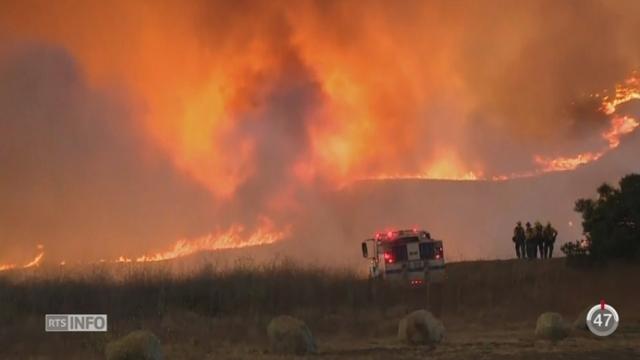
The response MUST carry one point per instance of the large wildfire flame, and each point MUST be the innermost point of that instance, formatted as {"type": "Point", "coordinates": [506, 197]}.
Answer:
{"type": "Point", "coordinates": [258, 101]}
{"type": "Point", "coordinates": [452, 169]}
{"type": "Point", "coordinates": [619, 126]}
{"type": "Point", "coordinates": [204, 70]}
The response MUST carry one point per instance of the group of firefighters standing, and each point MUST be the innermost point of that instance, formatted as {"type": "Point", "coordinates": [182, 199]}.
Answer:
{"type": "Point", "coordinates": [534, 241]}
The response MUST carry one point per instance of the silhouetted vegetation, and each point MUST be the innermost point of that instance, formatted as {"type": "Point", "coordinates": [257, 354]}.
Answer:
{"type": "Point", "coordinates": [610, 223]}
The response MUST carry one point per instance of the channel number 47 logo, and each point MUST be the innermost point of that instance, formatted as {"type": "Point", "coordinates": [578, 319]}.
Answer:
{"type": "Point", "coordinates": [602, 320]}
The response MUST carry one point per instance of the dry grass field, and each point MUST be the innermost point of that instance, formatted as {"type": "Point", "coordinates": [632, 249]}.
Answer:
{"type": "Point", "coordinates": [488, 307]}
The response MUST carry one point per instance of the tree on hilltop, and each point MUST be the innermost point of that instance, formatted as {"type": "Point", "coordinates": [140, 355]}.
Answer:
{"type": "Point", "coordinates": [611, 222]}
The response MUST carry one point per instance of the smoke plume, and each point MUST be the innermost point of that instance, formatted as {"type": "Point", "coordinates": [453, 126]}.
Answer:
{"type": "Point", "coordinates": [128, 125]}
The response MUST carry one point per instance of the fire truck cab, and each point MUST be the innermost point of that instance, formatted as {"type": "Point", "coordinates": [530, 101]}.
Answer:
{"type": "Point", "coordinates": [410, 256]}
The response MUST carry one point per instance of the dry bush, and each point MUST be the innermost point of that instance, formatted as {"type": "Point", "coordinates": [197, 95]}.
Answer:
{"type": "Point", "coordinates": [203, 309]}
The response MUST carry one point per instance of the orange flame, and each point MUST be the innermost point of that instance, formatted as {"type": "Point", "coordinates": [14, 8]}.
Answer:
{"type": "Point", "coordinates": [566, 163]}
{"type": "Point", "coordinates": [4, 267]}
{"type": "Point", "coordinates": [624, 93]}
{"type": "Point", "coordinates": [34, 262]}
{"type": "Point", "coordinates": [469, 176]}
{"type": "Point", "coordinates": [197, 95]}
{"type": "Point", "coordinates": [620, 125]}
{"type": "Point", "coordinates": [233, 238]}
{"type": "Point", "coordinates": [449, 169]}
{"type": "Point", "coordinates": [447, 166]}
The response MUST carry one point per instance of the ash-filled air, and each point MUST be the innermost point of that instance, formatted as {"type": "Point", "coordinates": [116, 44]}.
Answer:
{"type": "Point", "coordinates": [150, 130]}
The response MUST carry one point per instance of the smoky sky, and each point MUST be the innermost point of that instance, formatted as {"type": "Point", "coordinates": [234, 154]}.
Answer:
{"type": "Point", "coordinates": [76, 176]}
{"type": "Point", "coordinates": [531, 66]}
{"type": "Point", "coordinates": [129, 125]}
{"type": "Point", "coordinates": [468, 76]}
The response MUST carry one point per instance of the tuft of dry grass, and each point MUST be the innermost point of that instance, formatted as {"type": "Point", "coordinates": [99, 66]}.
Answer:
{"type": "Point", "coordinates": [205, 309]}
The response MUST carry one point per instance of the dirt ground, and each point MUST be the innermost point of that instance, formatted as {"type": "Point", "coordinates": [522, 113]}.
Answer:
{"type": "Point", "coordinates": [471, 341]}
{"type": "Point", "coordinates": [468, 342]}
{"type": "Point", "coordinates": [489, 312]}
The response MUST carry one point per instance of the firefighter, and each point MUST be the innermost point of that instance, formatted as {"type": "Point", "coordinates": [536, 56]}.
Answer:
{"type": "Point", "coordinates": [530, 241]}
{"type": "Point", "coordinates": [538, 230]}
{"type": "Point", "coordinates": [550, 235]}
{"type": "Point", "coordinates": [519, 239]}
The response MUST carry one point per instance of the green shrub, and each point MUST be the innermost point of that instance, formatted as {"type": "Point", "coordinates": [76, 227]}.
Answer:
{"type": "Point", "coordinates": [611, 222]}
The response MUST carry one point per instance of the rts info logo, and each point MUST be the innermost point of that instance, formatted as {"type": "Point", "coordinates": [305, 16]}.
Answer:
{"type": "Point", "coordinates": [76, 322]}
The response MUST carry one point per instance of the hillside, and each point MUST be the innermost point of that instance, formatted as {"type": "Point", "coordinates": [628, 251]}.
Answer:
{"type": "Point", "coordinates": [490, 306]}
{"type": "Point", "coordinates": [474, 218]}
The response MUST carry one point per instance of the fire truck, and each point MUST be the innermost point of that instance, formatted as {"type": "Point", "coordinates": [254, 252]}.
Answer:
{"type": "Point", "coordinates": [409, 256]}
